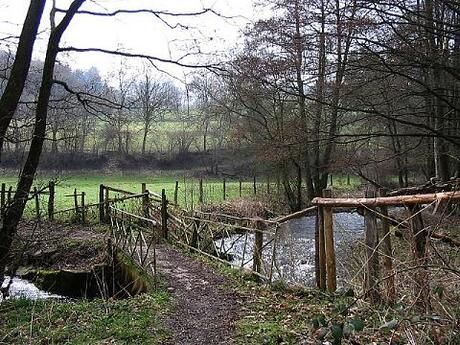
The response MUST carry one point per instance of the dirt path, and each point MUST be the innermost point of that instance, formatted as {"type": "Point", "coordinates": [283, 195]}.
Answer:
{"type": "Point", "coordinates": [205, 311]}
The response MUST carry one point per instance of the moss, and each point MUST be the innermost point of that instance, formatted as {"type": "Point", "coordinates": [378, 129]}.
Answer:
{"type": "Point", "coordinates": [134, 272]}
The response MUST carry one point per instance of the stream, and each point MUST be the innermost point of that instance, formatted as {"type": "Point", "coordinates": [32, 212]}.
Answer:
{"type": "Point", "coordinates": [21, 288]}
{"type": "Point", "coordinates": [295, 249]}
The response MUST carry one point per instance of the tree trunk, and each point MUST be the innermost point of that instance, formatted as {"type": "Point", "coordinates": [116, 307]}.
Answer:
{"type": "Point", "coordinates": [342, 52]}
{"type": "Point", "coordinates": [298, 186]}
{"type": "Point", "coordinates": [320, 100]}
{"type": "Point", "coordinates": [54, 145]}
{"type": "Point", "coordinates": [14, 87]}
{"type": "Point", "coordinates": [14, 213]}
{"type": "Point", "coordinates": [144, 138]}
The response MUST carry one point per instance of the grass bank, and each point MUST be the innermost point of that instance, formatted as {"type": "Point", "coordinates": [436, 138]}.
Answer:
{"type": "Point", "coordinates": [131, 321]}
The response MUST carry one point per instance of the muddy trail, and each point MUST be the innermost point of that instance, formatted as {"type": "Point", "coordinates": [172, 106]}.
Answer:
{"type": "Point", "coordinates": [205, 308]}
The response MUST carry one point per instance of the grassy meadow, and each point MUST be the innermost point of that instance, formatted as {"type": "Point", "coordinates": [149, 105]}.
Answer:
{"type": "Point", "coordinates": [188, 192]}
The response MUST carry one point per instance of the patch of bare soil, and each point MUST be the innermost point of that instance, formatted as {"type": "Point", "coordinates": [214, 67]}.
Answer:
{"type": "Point", "coordinates": [205, 309]}
{"type": "Point", "coordinates": [58, 246]}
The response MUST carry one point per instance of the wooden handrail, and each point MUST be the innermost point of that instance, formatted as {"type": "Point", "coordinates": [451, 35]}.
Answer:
{"type": "Point", "coordinates": [132, 215]}
{"type": "Point", "coordinates": [117, 190]}
{"type": "Point", "coordinates": [269, 221]}
{"type": "Point", "coordinates": [400, 200]}
{"type": "Point", "coordinates": [294, 215]}
{"type": "Point", "coordinates": [203, 220]}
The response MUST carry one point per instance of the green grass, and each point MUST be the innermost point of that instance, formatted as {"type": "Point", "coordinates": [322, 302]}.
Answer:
{"type": "Point", "coordinates": [89, 183]}
{"type": "Point", "coordinates": [188, 193]}
{"type": "Point", "coordinates": [131, 321]}
{"type": "Point", "coordinates": [344, 182]}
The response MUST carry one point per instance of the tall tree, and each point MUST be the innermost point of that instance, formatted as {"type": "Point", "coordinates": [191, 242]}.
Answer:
{"type": "Point", "coordinates": [15, 210]}
{"type": "Point", "coordinates": [19, 71]}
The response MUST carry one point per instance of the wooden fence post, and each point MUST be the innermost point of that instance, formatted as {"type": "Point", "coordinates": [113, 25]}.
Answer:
{"type": "Point", "coordinates": [37, 203]}
{"type": "Point", "coordinates": [101, 204]}
{"type": "Point", "coordinates": [348, 179]}
{"type": "Point", "coordinates": [320, 254]}
{"type": "Point", "coordinates": [268, 184]}
{"type": "Point", "coordinates": [51, 189]}
{"type": "Point", "coordinates": [192, 200]}
{"type": "Point", "coordinates": [390, 290]}
{"type": "Point", "coordinates": [83, 211]}
{"type": "Point", "coordinates": [164, 214]}
{"type": "Point", "coordinates": [201, 191]}
{"type": "Point", "coordinates": [75, 200]}
{"type": "Point", "coordinates": [176, 192]}
{"type": "Point", "coordinates": [185, 193]}
{"type": "Point", "coordinates": [3, 198]}
{"type": "Point", "coordinates": [225, 189]}
{"type": "Point", "coordinates": [194, 239]}
{"type": "Point", "coordinates": [420, 236]}
{"type": "Point", "coordinates": [107, 204]}
{"type": "Point", "coordinates": [10, 195]}
{"type": "Point", "coordinates": [255, 185]}
{"type": "Point", "coordinates": [241, 188]}
{"type": "Point", "coordinates": [145, 201]}
{"type": "Point", "coordinates": [329, 245]}
{"type": "Point", "coordinates": [257, 251]}
{"type": "Point", "coordinates": [372, 260]}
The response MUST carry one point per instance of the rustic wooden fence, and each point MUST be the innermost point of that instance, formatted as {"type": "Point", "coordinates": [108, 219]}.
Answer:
{"type": "Point", "coordinates": [136, 236]}
{"type": "Point", "coordinates": [378, 241]}
{"type": "Point", "coordinates": [41, 200]}
{"type": "Point", "coordinates": [137, 219]}
{"type": "Point", "coordinates": [216, 235]}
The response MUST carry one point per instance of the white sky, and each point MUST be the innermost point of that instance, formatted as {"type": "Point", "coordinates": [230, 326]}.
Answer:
{"type": "Point", "coordinates": [137, 33]}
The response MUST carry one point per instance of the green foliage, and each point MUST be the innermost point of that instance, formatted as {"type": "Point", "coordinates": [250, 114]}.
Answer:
{"type": "Point", "coordinates": [358, 324]}
{"type": "Point", "coordinates": [265, 333]}
{"type": "Point", "coordinates": [319, 321]}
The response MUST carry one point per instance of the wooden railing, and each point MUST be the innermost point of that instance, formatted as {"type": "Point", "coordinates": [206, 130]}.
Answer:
{"type": "Point", "coordinates": [215, 236]}
{"type": "Point", "coordinates": [7, 194]}
{"type": "Point", "coordinates": [136, 236]}
{"type": "Point", "coordinates": [374, 208]}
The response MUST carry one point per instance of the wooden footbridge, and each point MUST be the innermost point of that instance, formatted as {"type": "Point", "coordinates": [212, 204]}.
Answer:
{"type": "Point", "coordinates": [139, 220]}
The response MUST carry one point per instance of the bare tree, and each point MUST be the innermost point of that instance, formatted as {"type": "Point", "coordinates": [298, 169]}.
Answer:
{"type": "Point", "coordinates": [155, 98]}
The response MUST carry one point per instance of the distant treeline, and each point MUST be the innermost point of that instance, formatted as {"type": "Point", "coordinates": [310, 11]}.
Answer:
{"type": "Point", "coordinates": [109, 161]}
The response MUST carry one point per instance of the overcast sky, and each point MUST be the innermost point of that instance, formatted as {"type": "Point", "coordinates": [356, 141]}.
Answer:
{"type": "Point", "coordinates": [138, 33]}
